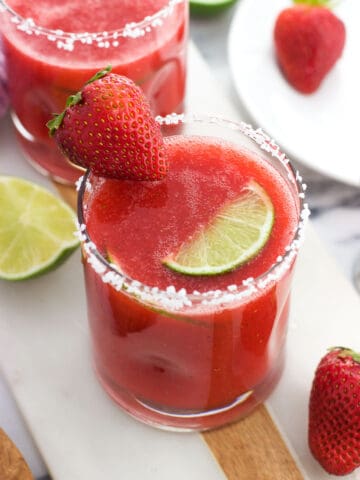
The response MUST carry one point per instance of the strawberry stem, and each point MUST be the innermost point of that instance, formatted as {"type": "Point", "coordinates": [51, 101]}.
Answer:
{"type": "Point", "coordinates": [347, 352]}
{"type": "Point", "coordinates": [316, 3]}
{"type": "Point", "coordinates": [72, 100]}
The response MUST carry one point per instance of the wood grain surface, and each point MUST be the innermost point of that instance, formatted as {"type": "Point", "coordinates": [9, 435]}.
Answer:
{"type": "Point", "coordinates": [251, 449]}
{"type": "Point", "coordinates": [12, 463]}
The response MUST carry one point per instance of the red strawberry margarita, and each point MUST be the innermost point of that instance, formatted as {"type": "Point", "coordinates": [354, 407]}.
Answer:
{"type": "Point", "coordinates": [189, 352]}
{"type": "Point", "coordinates": [45, 65]}
{"type": "Point", "coordinates": [189, 244]}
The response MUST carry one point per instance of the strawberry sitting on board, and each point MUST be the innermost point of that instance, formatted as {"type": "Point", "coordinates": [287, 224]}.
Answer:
{"type": "Point", "coordinates": [309, 39]}
{"type": "Point", "coordinates": [334, 412]}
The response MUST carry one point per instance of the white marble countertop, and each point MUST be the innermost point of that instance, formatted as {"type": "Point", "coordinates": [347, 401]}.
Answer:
{"type": "Point", "coordinates": [335, 211]}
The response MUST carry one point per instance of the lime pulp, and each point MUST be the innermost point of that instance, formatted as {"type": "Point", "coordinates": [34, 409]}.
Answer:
{"type": "Point", "coordinates": [36, 229]}
{"type": "Point", "coordinates": [236, 234]}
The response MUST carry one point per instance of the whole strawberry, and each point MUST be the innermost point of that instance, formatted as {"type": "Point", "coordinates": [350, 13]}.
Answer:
{"type": "Point", "coordinates": [334, 412]}
{"type": "Point", "coordinates": [309, 39]}
{"type": "Point", "coordinates": [108, 127]}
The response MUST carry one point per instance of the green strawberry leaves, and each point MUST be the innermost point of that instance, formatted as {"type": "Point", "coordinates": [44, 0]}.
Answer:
{"type": "Point", "coordinates": [99, 74]}
{"type": "Point", "coordinates": [347, 352]}
{"type": "Point", "coordinates": [72, 100]}
{"type": "Point", "coordinates": [316, 3]}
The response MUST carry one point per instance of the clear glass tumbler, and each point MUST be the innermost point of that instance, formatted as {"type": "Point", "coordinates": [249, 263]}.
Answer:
{"type": "Point", "coordinates": [52, 48]}
{"type": "Point", "coordinates": [177, 352]}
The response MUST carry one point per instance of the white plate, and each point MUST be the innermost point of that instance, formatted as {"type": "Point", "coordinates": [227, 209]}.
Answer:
{"type": "Point", "coordinates": [320, 130]}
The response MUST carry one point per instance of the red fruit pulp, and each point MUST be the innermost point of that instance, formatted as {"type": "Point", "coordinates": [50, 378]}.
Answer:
{"type": "Point", "coordinates": [192, 361]}
{"type": "Point", "coordinates": [42, 76]}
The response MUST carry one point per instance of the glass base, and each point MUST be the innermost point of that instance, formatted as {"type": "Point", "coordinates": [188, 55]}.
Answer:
{"type": "Point", "coordinates": [188, 421]}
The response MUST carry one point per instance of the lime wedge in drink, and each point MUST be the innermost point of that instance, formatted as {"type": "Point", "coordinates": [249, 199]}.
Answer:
{"type": "Point", "coordinates": [36, 229]}
{"type": "Point", "coordinates": [235, 235]}
{"type": "Point", "coordinates": [209, 7]}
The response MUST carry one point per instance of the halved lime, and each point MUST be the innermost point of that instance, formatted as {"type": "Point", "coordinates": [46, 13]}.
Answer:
{"type": "Point", "coordinates": [236, 234]}
{"type": "Point", "coordinates": [209, 7]}
{"type": "Point", "coordinates": [36, 229]}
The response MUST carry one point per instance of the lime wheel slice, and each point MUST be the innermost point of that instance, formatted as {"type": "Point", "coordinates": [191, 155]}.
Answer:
{"type": "Point", "coordinates": [236, 234]}
{"type": "Point", "coordinates": [209, 7]}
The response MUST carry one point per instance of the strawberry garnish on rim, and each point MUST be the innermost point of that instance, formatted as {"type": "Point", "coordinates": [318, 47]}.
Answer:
{"type": "Point", "coordinates": [334, 412]}
{"type": "Point", "coordinates": [309, 39]}
{"type": "Point", "coordinates": [108, 127]}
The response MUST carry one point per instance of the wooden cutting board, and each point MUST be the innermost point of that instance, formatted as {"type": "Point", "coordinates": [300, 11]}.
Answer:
{"type": "Point", "coordinates": [12, 463]}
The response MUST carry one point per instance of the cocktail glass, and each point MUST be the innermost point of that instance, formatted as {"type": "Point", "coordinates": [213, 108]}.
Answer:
{"type": "Point", "coordinates": [46, 64]}
{"type": "Point", "coordinates": [194, 360]}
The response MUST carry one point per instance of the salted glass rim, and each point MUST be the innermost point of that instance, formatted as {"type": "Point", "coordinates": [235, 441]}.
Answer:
{"type": "Point", "coordinates": [173, 299]}
{"type": "Point", "coordinates": [130, 29]}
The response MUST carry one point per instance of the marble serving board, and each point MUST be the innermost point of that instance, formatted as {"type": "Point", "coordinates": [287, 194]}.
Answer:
{"type": "Point", "coordinates": [45, 356]}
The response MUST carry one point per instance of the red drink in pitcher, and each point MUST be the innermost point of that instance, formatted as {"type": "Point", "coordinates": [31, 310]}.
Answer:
{"type": "Point", "coordinates": [144, 40]}
{"type": "Point", "coordinates": [176, 348]}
